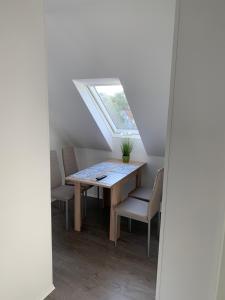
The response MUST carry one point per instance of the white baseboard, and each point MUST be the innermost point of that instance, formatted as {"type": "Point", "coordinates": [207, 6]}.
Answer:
{"type": "Point", "coordinates": [48, 292]}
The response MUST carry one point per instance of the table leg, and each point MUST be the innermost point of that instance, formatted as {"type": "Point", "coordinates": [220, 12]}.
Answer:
{"type": "Point", "coordinates": [77, 207]}
{"type": "Point", "coordinates": [115, 199]}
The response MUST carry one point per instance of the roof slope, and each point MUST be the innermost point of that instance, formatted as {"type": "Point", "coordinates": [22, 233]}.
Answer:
{"type": "Point", "coordinates": [130, 40]}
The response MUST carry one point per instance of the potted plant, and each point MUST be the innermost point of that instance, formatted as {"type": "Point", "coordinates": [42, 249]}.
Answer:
{"type": "Point", "coordinates": [126, 148]}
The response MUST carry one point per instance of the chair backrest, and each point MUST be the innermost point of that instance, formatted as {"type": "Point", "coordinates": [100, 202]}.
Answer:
{"type": "Point", "coordinates": [155, 202]}
{"type": "Point", "coordinates": [56, 177]}
{"type": "Point", "coordinates": [69, 160]}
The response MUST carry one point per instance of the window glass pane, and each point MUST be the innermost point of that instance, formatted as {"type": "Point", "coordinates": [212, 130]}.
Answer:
{"type": "Point", "coordinates": [115, 102]}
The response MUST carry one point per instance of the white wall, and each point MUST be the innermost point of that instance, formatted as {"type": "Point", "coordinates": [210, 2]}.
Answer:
{"type": "Point", "coordinates": [221, 285]}
{"type": "Point", "coordinates": [130, 40]}
{"type": "Point", "coordinates": [193, 210]}
{"type": "Point", "coordinates": [25, 226]}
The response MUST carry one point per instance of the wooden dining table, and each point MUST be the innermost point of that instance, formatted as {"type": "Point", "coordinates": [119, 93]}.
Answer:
{"type": "Point", "coordinates": [117, 174]}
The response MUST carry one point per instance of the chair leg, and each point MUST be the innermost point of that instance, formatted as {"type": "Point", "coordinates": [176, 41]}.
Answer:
{"type": "Point", "coordinates": [67, 214]}
{"type": "Point", "coordinates": [85, 203]}
{"type": "Point", "coordinates": [149, 237]}
{"type": "Point", "coordinates": [116, 226]}
{"type": "Point", "coordinates": [98, 192]}
{"type": "Point", "coordinates": [98, 197]}
{"type": "Point", "coordinates": [82, 205]}
{"type": "Point", "coordinates": [159, 222]}
{"type": "Point", "coordinates": [130, 224]}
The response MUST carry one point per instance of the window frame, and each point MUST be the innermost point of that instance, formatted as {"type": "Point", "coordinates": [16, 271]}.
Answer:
{"type": "Point", "coordinates": [132, 133]}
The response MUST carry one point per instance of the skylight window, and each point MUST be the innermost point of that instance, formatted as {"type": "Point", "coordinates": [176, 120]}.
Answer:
{"type": "Point", "coordinates": [111, 100]}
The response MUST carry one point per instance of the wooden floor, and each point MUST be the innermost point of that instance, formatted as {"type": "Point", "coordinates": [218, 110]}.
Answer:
{"type": "Point", "coordinates": [87, 266]}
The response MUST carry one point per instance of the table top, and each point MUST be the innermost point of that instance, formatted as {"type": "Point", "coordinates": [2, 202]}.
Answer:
{"type": "Point", "coordinates": [115, 170]}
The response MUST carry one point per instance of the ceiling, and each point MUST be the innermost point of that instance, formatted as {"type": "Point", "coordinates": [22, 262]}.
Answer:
{"type": "Point", "coordinates": [130, 40]}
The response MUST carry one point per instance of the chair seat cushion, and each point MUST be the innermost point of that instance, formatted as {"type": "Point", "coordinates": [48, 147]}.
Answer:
{"type": "Point", "coordinates": [142, 193]}
{"type": "Point", "coordinates": [63, 192]}
{"type": "Point", "coordinates": [134, 209]}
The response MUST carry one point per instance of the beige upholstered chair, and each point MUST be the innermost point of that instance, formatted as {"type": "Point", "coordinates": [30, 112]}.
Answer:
{"type": "Point", "coordinates": [59, 191]}
{"type": "Point", "coordinates": [71, 167]}
{"type": "Point", "coordinates": [143, 211]}
{"type": "Point", "coordinates": [69, 160]}
{"type": "Point", "coordinates": [144, 194]}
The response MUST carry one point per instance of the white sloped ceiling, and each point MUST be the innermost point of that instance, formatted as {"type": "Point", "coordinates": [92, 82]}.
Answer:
{"type": "Point", "coordinates": [130, 40]}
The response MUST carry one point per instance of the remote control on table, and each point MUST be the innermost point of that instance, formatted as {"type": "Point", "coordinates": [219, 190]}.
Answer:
{"type": "Point", "coordinates": [101, 177]}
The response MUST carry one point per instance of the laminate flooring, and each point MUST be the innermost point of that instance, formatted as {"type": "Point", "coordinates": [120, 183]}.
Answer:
{"type": "Point", "coordinates": [87, 266]}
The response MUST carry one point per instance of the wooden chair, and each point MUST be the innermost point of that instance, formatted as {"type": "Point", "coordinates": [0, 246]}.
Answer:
{"type": "Point", "coordinates": [59, 191]}
{"type": "Point", "coordinates": [143, 211]}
